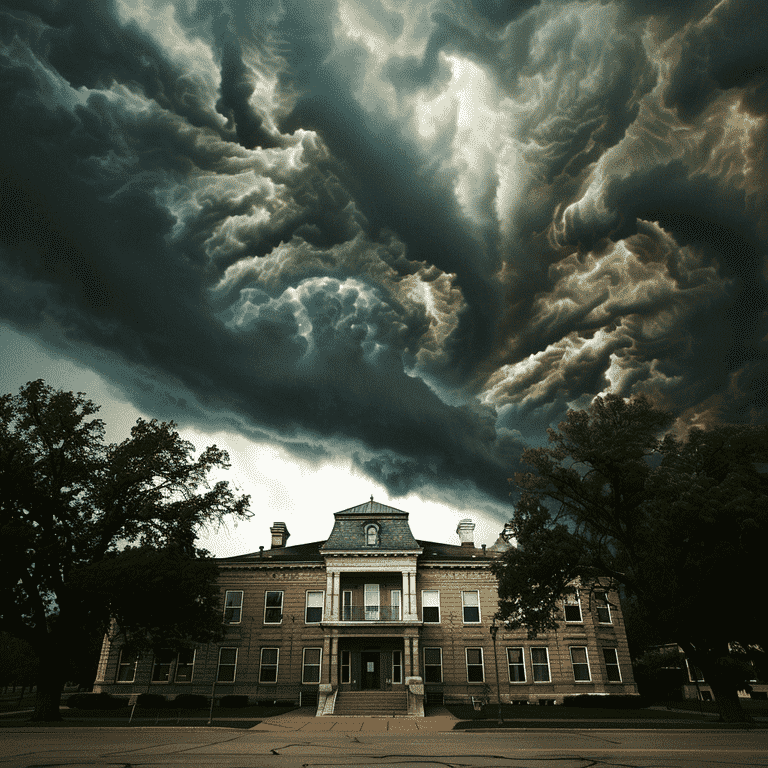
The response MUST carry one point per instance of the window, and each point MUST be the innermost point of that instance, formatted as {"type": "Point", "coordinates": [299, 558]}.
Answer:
{"type": "Point", "coordinates": [126, 667]}
{"type": "Point", "coordinates": [161, 668]}
{"type": "Point", "coordinates": [397, 666]}
{"type": "Point", "coordinates": [233, 607]}
{"type": "Point", "coordinates": [475, 673]}
{"type": "Point", "coordinates": [580, 663]}
{"type": "Point", "coordinates": [470, 602]}
{"type": "Point", "coordinates": [268, 666]}
{"type": "Point", "coordinates": [540, 664]}
{"type": "Point", "coordinates": [694, 673]}
{"type": "Point", "coordinates": [603, 608]}
{"type": "Point", "coordinates": [612, 671]}
{"type": "Point", "coordinates": [371, 535]}
{"type": "Point", "coordinates": [516, 662]}
{"type": "Point", "coordinates": [314, 610]}
{"type": "Point", "coordinates": [371, 602]}
{"type": "Point", "coordinates": [185, 665]}
{"type": "Point", "coordinates": [310, 670]}
{"type": "Point", "coordinates": [394, 604]}
{"type": "Point", "coordinates": [345, 667]}
{"type": "Point", "coordinates": [430, 606]}
{"type": "Point", "coordinates": [433, 665]}
{"type": "Point", "coordinates": [346, 606]}
{"type": "Point", "coordinates": [572, 606]}
{"type": "Point", "coordinates": [227, 665]}
{"type": "Point", "coordinates": [273, 608]}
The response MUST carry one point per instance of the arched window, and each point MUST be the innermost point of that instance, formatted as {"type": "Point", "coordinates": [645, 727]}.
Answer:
{"type": "Point", "coordinates": [371, 535]}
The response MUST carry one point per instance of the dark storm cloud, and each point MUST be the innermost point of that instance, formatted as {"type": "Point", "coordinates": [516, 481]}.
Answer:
{"type": "Point", "coordinates": [414, 235]}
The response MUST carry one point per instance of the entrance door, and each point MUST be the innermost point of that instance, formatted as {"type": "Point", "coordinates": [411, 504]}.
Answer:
{"type": "Point", "coordinates": [370, 678]}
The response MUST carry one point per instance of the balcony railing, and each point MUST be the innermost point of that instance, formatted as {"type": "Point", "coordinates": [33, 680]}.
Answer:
{"type": "Point", "coordinates": [370, 613]}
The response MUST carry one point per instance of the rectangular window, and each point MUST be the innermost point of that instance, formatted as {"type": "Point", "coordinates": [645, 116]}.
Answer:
{"type": "Point", "coordinates": [161, 668]}
{"type": "Point", "coordinates": [694, 673]}
{"type": "Point", "coordinates": [227, 665]}
{"type": "Point", "coordinates": [394, 605]}
{"type": "Point", "coordinates": [612, 670]}
{"type": "Point", "coordinates": [397, 666]}
{"type": "Point", "coordinates": [273, 607]}
{"type": "Point", "coordinates": [185, 665]}
{"type": "Point", "coordinates": [268, 665]}
{"type": "Point", "coordinates": [346, 605]}
{"type": "Point", "coordinates": [540, 664]}
{"type": "Point", "coordinates": [516, 662]}
{"type": "Point", "coordinates": [475, 673]}
{"type": "Point", "coordinates": [310, 669]}
{"type": "Point", "coordinates": [470, 602]}
{"type": "Point", "coordinates": [603, 608]}
{"type": "Point", "coordinates": [572, 605]}
{"type": "Point", "coordinates": [580, 663]}
{"type": "Point", "coordinates": [346, 675]}
{"type": "Point", "coordinates": [430, 606]}
{"type": "Point", "coordinates": [433, 665]}
{"type": "Point", "coordinates": [314, 609]}
{"type": "Point", "coordinates": [372, 602]}
{"type": "Point", "coordinates": [126, 667]}
{"type": "Point", "coordinates": [233, 607]}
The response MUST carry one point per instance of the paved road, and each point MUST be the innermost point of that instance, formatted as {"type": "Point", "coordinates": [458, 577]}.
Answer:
{"type": "Point", "coordinates": [358, 747]}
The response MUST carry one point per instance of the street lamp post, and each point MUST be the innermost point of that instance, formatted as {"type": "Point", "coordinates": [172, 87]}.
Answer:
{"type": "Point", "coordinates": [494, 630]}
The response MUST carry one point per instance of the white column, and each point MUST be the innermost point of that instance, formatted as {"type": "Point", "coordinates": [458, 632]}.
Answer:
{"type": "Point", "coordinates": [328, 612]}
{"type": "Point", "coordinates": [412, 591]}
{"type": "Point", "coordinates": [407, 611]}
{"type": "Point", "coordinates": [415, 671]}
{"type": "Point", "coordinates": [336, 588]}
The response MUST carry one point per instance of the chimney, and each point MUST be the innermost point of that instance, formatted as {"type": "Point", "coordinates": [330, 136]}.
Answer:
{"type": "Point", "coordinates": [465, 530]}
{"type": "Point", "coordinates": [279, 535]}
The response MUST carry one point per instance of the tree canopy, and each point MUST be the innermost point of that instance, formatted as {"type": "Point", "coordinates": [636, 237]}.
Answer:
{"type": "Point", "coordinates": [91, 532]}
{"type": "Point", "coordinates": [679, 524]}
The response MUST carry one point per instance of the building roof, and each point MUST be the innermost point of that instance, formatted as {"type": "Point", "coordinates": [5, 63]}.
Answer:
{"type": "Point", "coordinates": [350, 526]}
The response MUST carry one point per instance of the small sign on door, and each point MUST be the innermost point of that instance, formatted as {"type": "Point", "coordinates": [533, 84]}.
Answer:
{"type": "Point", "coordinates": [371, 666]}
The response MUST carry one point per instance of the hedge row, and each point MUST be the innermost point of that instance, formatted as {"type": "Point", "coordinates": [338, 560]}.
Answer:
{"type": "Point", "coordinates": [104, 701]}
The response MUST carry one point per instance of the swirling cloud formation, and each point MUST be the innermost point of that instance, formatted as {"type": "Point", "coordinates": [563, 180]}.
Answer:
{"type": "Point", "coordinates": [411, 232]}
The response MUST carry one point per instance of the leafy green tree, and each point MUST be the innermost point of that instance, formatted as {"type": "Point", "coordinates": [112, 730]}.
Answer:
{"type": "Point", "coordinates": [680, 525]}
{"type": "Point", "coordinates": [90, 532]}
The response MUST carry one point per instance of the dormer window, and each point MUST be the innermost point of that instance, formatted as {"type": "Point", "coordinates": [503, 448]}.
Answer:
{"type": "Point", "coordinates": [371, 535]}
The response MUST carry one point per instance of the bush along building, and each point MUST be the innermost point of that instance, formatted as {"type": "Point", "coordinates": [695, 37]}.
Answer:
{"type": "Point", "coordinates": [373, 621]}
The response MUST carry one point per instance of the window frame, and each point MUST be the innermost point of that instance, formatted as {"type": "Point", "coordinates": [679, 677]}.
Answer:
{"type": "Point", "coordinates": [478, 648]}
{"type": "Point", "coordinates": [433, 666]}
{"type": "Point", "coordinates": [520, 664]}
{"type": "Point", "coordinates": [307, 606]}
{"type": "Point", "coordinates": [572, 593]}
{"type": "Point", "coordinates": [580, 664]}
{"type": "Point", "coordinates": [346, 606]}
{"type": "Point", "coordinates": [371, 531]}
{"type": "Point", "coordinates": [371, 610]}
{"type": "Point", "coordinates": [157, 664]}
{"type": "Point", "coordinates": [603, 597]}
{"type": "Point", "coordinates": [264, 666]}
{"type": "Point", "coordinates": [233, 607]}
{"type": "Point", "coordinates": [399, 604]}
{"type": "Point", "coordinates": [267, 593]}
{"type": "Point", "coordinates": [345, 667]}
{"type": "Point", "coordinates": [537, 665]}
{"type": "Point", "coordinates": [430, 591]}
{"type": "Point", "coordinates": [305, 665]}
{"type": "Point", "coordinates": [183, 665]}
{"type": "Point", "coordinates": [220, 666]}
{"type": "Point", "coordinates": [128, 665]}
{"type": "Point", "coordinates": [397, 664]}
{"type": "Point", "coordinates": [464, 607]}
{"type": "Point", "coordinates": [614, 663]}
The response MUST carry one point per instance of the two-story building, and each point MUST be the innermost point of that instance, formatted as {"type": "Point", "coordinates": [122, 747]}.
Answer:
{"type": "Point", "coordinates": [372, 619]}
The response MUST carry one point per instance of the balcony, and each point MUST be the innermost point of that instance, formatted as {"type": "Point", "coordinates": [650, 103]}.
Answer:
{"type": "Point", "coordinates": [370, 613]}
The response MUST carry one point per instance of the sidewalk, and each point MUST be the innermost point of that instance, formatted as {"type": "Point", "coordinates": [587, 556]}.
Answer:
{"type": "Point", "coordinates": [304, 720]}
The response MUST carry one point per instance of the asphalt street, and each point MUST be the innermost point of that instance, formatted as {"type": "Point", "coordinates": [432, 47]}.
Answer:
{"type": "Point", "coordinates": [356, 746]}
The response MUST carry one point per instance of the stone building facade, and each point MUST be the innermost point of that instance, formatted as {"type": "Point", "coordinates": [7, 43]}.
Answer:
{"type": "Point", "coordinates": [371, 612]}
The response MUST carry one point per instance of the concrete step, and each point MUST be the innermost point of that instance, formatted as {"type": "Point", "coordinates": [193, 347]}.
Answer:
{"type": "Point", "coordinates": [371, 703]}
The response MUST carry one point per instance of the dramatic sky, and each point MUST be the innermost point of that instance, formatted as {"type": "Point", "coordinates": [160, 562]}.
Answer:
{"type": "Point", "coordinates": [378, 246]}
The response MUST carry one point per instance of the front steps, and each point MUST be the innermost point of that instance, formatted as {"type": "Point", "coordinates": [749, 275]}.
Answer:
{"type": "Point", "coordinates": [369, 703]}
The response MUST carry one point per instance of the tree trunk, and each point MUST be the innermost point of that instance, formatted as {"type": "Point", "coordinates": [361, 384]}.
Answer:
{"type": "Point", "coordinates": [48, 699]}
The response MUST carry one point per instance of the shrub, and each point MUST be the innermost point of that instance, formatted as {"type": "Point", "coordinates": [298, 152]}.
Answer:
{"type": "Point", "coordinates": [151, 701]}
{"type": "Point", "coordinates": [233, 701]}
{"type": "Point", "coordinates": [191, 701]}
{"type": "Point", "coordinates": [94, 701]}
{"type": "Point", "coordinates": [609, 701]}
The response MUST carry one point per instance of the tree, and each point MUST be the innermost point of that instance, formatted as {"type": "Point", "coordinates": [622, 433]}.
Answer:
{"type": "Point", "coordinates": [91, 532]}
{"type": "Point", "coordinates": [679, 525]}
